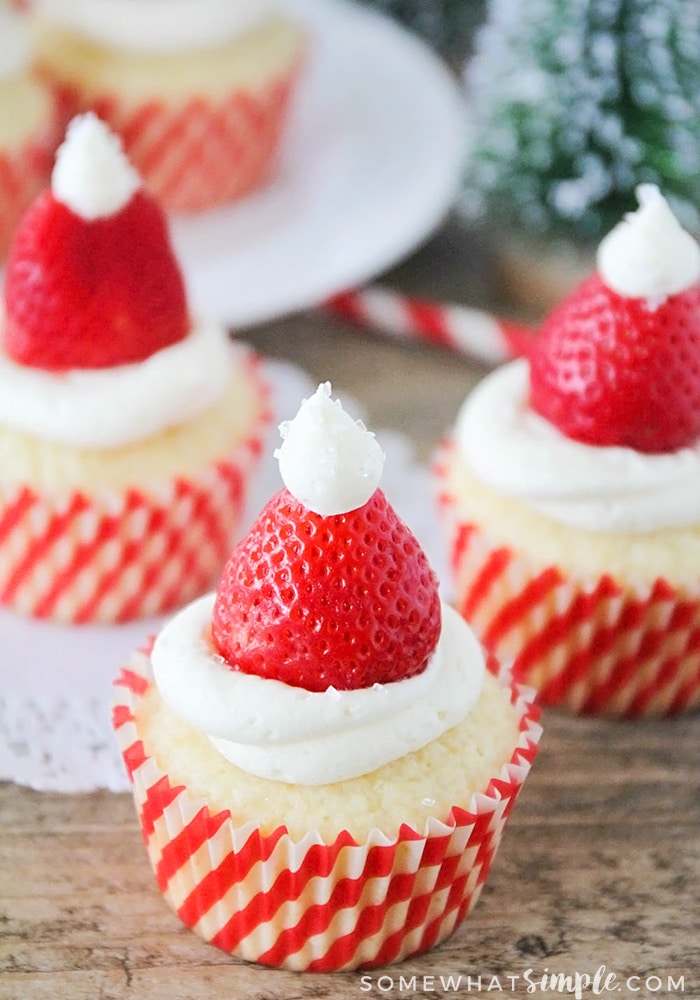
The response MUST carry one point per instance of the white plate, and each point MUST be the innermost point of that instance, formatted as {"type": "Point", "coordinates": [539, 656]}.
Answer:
{"type": "Point", "coordinates": [371, 165]}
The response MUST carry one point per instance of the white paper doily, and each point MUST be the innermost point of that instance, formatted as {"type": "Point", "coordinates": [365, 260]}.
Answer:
{"type": "Point", "coordinates": [54, 742]}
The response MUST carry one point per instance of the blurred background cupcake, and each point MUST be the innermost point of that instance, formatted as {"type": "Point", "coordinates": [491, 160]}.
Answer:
{"type": "Point", "coordinates": [30, 128]}
{"type": "Point", "coordinates": [129, 429]}
{"type": "Point", "coordinates": [200, 93]}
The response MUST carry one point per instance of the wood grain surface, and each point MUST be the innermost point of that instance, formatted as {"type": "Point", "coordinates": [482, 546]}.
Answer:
{"type": "Point", "coordinates": [598, 874]}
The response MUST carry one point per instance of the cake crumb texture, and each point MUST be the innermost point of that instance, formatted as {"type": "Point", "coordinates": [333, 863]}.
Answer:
{"type": "Point", "coordinates": [174, 452]}
{"type": "Point", "coordinates": [636, 558]}
{"type": "Point", "coordinates": [425, 783]}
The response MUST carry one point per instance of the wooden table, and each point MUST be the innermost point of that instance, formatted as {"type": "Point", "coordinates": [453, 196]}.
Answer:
{"type": "Point", "coordinates": [599, 868]}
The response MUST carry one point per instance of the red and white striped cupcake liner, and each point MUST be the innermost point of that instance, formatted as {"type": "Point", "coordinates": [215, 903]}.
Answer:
{"type": "Point", "coordinates": [202, 153]}
{"type": "Point", "coordinates": [309, 905]}
{"type": "Point", "coordinates": [592, 646]}
{"type": "Point", "coordinates": [113, 556]}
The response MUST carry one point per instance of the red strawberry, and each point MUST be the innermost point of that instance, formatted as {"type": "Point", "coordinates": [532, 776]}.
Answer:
{"type": "Point", "coordinates": [347, 600]}
{"type": "Point", "coordinates": [92, 294]}
{"type": "Point", "coordinates": [611, 370]}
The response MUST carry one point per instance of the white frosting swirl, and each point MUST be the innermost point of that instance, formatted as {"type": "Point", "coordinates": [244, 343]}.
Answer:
{"type": "Point", "coordinates": [278, 731]}
{"type": "Point", "coordinates": [328, 461]}
{"type": "Point", "coordinates": [649, 255]}
{"type": "Point", "coordinates": [599, 488]}
{"type": "Point", "coordinates": [110, 407]}
{"type": "Point", "coordinates": [15, 48]}
{"type": "Point", "coordinates": [158, 26]}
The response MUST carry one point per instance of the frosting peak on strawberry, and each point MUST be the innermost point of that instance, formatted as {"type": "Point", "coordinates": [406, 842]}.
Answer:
{"type": "Point", "coordinates": [328, 461]}
{"type": "Point", "coordinates": [91, 279]}
{"type": "Point", "coordinates": [649, 255]}
{"type": "Point", "coordinates": [617, 362]}
{"type": "Point", "coordinates": [92, 175]}
{"type": "Point", "coordinates": [343, 600]}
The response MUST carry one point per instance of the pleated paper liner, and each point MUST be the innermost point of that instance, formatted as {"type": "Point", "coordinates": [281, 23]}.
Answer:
{"type": "Point", "coordinates": [598, 647]}
{"type": "Point", "coordinates": [203, 152]}
{"type": "Point", "coordinates": [309, 905]}
{"type": "Point", "coordinates": [116, 555]}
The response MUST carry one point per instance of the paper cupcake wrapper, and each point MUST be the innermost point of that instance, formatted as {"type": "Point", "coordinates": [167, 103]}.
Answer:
{"type": "Point", "coordinates": [310, 905]}
{"type": "Point", "coordinates": [597, 647]}
{"type": "Point", "coordinates": [109, 556]}
{"type": "Point", "coordinates": [201, 153]}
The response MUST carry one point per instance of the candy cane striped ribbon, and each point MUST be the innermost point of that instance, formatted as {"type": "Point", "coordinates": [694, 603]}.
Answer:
{"type": "Point", "coordinates": [472, 332]}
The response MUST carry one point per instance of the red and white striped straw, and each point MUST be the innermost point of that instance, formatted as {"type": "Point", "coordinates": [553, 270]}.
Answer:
{"type": "Point", "coordinates": [474, 333]}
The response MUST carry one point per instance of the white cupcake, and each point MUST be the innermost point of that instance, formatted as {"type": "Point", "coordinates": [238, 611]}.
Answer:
{"type": "Point", "coordinates": [200, 92]}
{"type": "Point", "coordinates": [129, 430]}
{"type": "Point", "coordinates": [323, 758]}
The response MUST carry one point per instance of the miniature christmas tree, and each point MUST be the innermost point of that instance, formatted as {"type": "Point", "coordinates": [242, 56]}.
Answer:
{"type": "Point", "coordinates": [574, 103]}
{"type": "Point", "coordinates": [447, 25]}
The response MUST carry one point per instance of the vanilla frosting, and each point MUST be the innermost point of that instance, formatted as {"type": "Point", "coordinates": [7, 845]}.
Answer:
{"type": "Point", "coordinates": [14, 43]}
{"type": "Point", "coordinates": [92, 175]}
{"type": "Point", "coordinates": [111, 407]}
{"type": "Point", "coordinates": [285, 733]}
{"type": "Point", "coordinates": [600, 488]}
{"type": "Point", "coordinates": [649, 255]}
{"type": "Point", "coordinates": [157, 26]}
{"type": "Point", "coordinates": [327, 460]}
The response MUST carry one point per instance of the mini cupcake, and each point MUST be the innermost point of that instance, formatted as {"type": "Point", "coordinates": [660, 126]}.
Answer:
{"type": "Point", "coordinates": [29, 130]}
{"type": "Point", "coordinates": [322, 757]}
{"type": "Point", "coordinates": [200, 92]}
{"type": "Point", "coordinates": [128, 430]}
{"type": "Point", "coordinates": [570, 485]}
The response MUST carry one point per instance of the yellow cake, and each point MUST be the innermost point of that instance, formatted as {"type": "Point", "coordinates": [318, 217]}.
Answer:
{"type": "Point", "coordinates": [182, 450]}
{"type": "Point", "coordinates": [427, 783]}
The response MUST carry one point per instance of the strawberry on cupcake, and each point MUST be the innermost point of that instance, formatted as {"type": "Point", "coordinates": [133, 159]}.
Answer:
{"type": "Point", "coordinates": [128, 428]}
{"type": "Point", "coordinates": [322, 755]}
{"type": "Point", "coordinates": [570, 485]}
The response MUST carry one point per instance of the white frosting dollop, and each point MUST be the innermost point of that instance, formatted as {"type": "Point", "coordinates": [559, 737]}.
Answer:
{"type": "Point", "coordinates": [15, 49]}
{"type": "Point", "coordinates": [649, 255]}
{"type": "Point", "coordinates": [92, 175]}
{"type": "Point", "coordinates": [517, 452]}
{"type": "Point", "coordinates": [328, 461]}
{"type": "Point", "coordinates": [285, 733]}
{"type": "Point", "coordinates": [110, 407]}
{"type": "Point", "coordinates": [157, 26]}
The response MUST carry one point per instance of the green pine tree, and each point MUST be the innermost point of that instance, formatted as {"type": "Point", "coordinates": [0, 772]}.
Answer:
{"type": "Point", "coordinates": [575, 102]}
